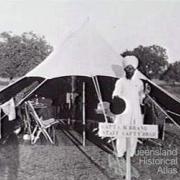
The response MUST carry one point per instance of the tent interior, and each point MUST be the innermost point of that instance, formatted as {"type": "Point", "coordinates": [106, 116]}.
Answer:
{"type": "Point", "coordinates": [57, 89]}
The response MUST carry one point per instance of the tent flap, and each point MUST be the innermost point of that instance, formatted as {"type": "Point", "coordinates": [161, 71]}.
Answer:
{"type": "Point", "coordinates": [13, 89]}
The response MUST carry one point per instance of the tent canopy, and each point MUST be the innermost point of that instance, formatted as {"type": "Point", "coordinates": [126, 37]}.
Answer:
{"type": "Point", "coordinates": [84, 53]}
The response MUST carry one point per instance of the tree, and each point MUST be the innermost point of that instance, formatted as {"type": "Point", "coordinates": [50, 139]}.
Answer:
{"type": "Point", "coordinates": [153, 59]}
{"type": "Point", "coordinates": [21, 53]}
{"type": "Point", "coordinates": [172, 73]}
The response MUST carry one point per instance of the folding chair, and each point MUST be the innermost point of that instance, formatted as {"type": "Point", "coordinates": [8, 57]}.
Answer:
{"type": "Point", "coordinates": [41, 126]}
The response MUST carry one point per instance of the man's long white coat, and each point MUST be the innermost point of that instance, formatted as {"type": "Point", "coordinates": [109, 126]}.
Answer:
{"type": "Point", "coordinates": [132, 91]}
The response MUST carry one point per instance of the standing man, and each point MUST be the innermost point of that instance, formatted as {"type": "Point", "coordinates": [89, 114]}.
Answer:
{"type": "Point", "coordinates": [131, 89]}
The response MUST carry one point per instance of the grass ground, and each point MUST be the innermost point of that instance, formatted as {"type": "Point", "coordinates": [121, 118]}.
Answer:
{"type": "Point", "coordinates": [63, 161]}
{"type": "Point", "coordinates": [69, 160]}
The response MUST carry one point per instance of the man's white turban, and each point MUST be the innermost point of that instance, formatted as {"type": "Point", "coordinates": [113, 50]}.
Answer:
{"type": "Point", "coordinates": [130, 60]}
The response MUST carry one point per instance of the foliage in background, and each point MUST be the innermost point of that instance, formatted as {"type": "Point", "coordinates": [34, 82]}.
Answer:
{"type": "Point", "coordinates": [21, 53]}
{"type": "Point", "coordinates": [152, 59]}
{"type": "Point", "coordinates": [172, 74]}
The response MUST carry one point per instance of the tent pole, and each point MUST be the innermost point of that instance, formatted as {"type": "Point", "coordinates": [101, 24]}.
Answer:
{"type": "Point", "coordinates": [96, 84]}
{"type": "Point", "coordinates": [164, 111]}
{"type": "Point", "coordinates": [106, 120]}
{"type": "Point", "coordinates": [164, 127]}
{"type": "Point", "coordinates": [128, 158]}
{"type": "Point", "coordinates": [84, 116]}
{"type": "Point", "coordinates": [20, 102]}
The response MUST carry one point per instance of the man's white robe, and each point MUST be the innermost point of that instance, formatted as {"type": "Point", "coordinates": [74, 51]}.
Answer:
{"type": "Point", "coordinates": [132, 91]}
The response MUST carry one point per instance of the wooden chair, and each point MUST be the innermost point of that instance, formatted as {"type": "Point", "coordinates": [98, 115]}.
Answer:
{"type": "Point", "coordinates": [41, 126]}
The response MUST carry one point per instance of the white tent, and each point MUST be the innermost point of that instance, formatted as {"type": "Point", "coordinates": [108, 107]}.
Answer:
{"type": "Point", "coordinates": [83, 53]}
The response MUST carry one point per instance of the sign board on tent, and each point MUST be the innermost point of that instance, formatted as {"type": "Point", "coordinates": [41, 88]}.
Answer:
{"type": "Point", "coordinates": [140, 131]}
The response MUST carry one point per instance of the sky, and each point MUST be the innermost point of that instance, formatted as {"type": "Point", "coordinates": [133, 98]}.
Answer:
{"type": "Point", "coordinates": [124, 24]}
